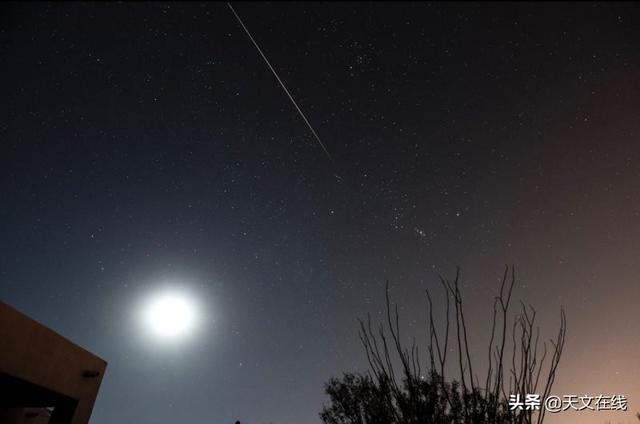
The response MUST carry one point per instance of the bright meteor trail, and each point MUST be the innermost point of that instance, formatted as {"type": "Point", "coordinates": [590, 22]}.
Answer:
{"type": "Point", "coordinates": [315, 134]}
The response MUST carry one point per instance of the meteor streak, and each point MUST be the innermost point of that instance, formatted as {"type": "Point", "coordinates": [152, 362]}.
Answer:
{"type": "Point", "coordinates": [315, 134]}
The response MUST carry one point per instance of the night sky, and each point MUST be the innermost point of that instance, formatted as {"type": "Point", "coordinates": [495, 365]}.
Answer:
{"type": "Point", "coordinates": [148, 146]}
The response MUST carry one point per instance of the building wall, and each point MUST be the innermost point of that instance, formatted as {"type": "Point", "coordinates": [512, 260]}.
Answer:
{"type": "Point", "coordinates": [24, 416]}
{"type": "Point", "coordinates": [38, 355]}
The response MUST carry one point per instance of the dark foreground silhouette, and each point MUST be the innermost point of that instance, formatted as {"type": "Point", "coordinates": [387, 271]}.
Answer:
{"type": "Point", "coordinates": [403, 387]}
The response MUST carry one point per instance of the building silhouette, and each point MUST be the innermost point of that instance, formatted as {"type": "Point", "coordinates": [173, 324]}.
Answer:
{"type": "Point", "coordinates": [44, 378]}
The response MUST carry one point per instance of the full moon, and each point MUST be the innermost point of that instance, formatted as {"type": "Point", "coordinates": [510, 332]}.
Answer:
{"type": "Point", "coordinates": [170, 315]}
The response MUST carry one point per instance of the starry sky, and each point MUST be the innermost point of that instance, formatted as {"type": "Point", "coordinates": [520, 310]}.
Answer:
{"type": "Point", "coordinates": [149, 144]}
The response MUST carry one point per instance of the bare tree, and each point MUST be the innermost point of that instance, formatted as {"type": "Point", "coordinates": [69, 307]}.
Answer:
{"type": "Point", "coordinates": [401, 388]}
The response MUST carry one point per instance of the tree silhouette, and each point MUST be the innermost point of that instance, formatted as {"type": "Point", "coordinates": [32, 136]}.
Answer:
{"type": "Point", "coordinates": [401, 388]}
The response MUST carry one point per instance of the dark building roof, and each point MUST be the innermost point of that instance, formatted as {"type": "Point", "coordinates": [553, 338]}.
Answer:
{"type": "Point", "coordinates": [39, 368]}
